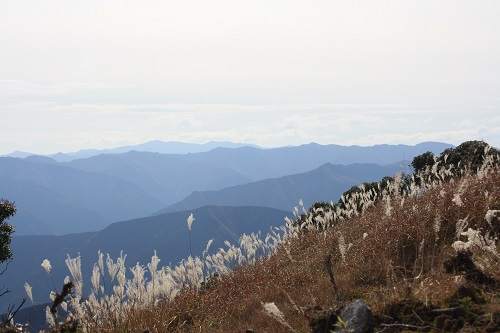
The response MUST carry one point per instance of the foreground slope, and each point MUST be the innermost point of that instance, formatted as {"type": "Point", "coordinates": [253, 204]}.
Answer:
{"type": "Point", "coordinates": [423, 258]}
{"type": "Point", "coordinates": [427, 261]}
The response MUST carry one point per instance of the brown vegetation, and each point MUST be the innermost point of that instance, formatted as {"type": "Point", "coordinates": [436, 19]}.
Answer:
{"type": "Point", "coordinates": [393, 256]}
{"type": "Point", "coordinates": [423, 253]}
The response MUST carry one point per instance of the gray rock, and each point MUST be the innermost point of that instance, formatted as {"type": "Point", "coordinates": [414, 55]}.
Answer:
{"type": "Point", "coordinates": [357, 317]}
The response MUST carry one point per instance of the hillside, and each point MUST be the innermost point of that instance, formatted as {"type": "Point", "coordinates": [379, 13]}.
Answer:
{"type": "Point", "coordinates": [422, 252]}
{"type": "Point", "coordinates": [426, 260]}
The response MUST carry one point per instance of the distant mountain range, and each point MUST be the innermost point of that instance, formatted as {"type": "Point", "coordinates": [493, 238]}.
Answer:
{"type": "Point", "coordinates": [138, 238]}
{"type": "Point", "coordinates": [258, 164]}
{"type": "Point", "coordinates": [88, 194]}
{"type": "Point", "coordinates": [171, 147]}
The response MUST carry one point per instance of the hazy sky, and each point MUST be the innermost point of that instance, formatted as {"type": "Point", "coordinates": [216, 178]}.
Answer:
{"type": "Point", "coordinates": [101, 74]}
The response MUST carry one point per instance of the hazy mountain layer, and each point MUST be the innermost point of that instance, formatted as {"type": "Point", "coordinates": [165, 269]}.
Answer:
{"type": "Point", "coordinates": [258, 164]}
{"type": "Point", "coordinates": [326, 183]}
{"type": "Point", "coordinates": [165, 177]}
{"type": "Point", "coordinates": [69, 200]}
{"type": "Point", "coordinates": [170, 147]}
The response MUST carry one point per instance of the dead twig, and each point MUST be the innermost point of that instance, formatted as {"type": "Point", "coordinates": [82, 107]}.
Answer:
{"type": "Point", "coordinates": [410, 327]}
{"type": "Point", "coordinates": [332, 279]}
{"type": "Point", "coordinates": [11, 313]}
{"type": "Point", "coordinates": [447, 311]}
{"type": "Point", "coordinates": [418, 317]}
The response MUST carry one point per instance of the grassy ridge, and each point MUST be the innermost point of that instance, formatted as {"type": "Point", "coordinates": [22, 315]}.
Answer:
{"type": "Point", "coordinates": [422, 252]}
{"type": "Point", "coordinates": [393, 256]}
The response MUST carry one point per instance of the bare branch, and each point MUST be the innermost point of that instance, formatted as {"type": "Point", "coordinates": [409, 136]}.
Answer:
{"type": "Point", "coordinates": [332, 279]}
{"type": "Point", "coordinates": [6, 266]}
{"type": "Point", "coordinates": [11, 313]}
{"type": "Point", "coordinates": [447, 311]}
{"type": "Point", "coordinates": [410, 327]}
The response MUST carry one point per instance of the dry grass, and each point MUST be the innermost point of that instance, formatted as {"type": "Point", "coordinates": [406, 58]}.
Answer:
{"type": "Point", "coordinates": [391, 254]}
{"type": "Point", "coordinates": [392, 258]}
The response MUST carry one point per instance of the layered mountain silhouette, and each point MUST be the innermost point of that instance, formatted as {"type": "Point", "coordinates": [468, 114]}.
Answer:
{"type": "Point", "coordinates": [61, 199]}
{"type": "Point", "coordinates": [156, 146]}
{"type": "Point", "coordinates": [326, 183]}
{"type": "Point", "coordinates": [90, 193]}
{"type": "Point", "coordinates": [258, 164]}
{"type": "Point", "coordinates": [168, 178]}
{"type": "Point", "coordinates": [44, 211]}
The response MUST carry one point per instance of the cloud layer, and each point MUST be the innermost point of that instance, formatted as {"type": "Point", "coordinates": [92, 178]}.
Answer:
{"type": "Point", "coordinates": [91, 74]}
{"type": "Point", "coordinates": [46, 127]}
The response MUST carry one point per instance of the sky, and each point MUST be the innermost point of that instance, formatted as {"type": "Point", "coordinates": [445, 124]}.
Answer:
{"type": "Point", "coordinates": [102, 74]}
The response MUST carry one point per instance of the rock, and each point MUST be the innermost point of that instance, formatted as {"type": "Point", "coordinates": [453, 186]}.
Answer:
{"type": "Point", "coordinates": [357, 317]}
